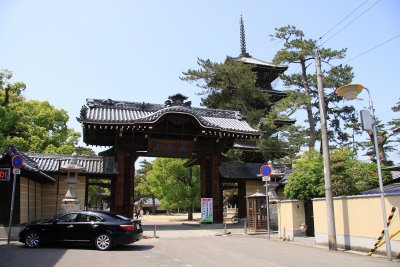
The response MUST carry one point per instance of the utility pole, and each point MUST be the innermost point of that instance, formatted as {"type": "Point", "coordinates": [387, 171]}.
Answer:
{"type": "Point", "coordinates": [325, 151]}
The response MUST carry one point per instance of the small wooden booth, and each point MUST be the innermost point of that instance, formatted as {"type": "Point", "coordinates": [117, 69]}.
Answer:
{"type": "Point", "coordinates": [257, 212]}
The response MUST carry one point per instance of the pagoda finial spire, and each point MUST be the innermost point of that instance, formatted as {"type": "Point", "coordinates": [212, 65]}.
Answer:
{"type": "Point", "coordinates": [243, 51]}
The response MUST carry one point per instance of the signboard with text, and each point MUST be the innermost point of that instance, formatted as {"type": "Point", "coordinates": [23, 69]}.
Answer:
{"type": "Point", "coordinates": [5, 174]}
{"type": "Point", "coordinates": [169, 148]}
{"type": "Point", "coordinates": [207, 210]}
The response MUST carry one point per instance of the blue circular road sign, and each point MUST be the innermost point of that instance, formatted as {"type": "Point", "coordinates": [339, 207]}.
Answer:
{"type": "Point", "coordinates": [265, 170]}
{"type": "Point", "coordinates": [17, 162]}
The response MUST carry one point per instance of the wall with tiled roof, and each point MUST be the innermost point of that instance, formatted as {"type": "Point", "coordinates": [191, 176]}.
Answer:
{"type": "Point", "coordinates": [94, 165]}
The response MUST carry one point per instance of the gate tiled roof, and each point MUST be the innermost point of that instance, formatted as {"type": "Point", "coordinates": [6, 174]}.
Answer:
{"type": "Point", "coordinates": [111, 112]}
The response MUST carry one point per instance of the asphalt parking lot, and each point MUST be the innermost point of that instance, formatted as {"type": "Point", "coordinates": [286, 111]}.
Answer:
{"type": "Point", "coordinates": [178, 244]}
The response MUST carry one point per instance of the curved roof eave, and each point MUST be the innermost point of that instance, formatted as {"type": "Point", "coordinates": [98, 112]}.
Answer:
{"type": "Point", "coordinates": [156, 116]}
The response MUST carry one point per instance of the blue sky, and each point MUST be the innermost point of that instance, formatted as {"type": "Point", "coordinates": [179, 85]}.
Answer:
{"type": "Point", "coordinates": [67, 51]}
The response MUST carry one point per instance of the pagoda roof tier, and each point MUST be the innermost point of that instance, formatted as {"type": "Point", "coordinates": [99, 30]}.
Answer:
{"type": "Point", "coordinates": [246, 58]}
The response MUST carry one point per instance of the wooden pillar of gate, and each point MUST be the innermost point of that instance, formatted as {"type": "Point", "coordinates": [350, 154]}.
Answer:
{"type": "Point", "coordinates": [124, 185]}
{"type": "Point", "coordinates": [242, 210]}
{"type": "Point", "coordinates": [211, 185]}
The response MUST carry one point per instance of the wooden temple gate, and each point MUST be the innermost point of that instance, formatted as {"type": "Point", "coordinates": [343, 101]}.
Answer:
{"type": "Point", "coordinates": [174, 130]}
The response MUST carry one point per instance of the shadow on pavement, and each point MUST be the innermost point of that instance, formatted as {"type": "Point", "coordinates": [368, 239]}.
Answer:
{"type": "Point", "coordinates": [18, 255]}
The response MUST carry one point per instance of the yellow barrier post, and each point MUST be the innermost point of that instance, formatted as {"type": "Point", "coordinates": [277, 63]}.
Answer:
{"type": "Point", "coordinates": [380, 242]}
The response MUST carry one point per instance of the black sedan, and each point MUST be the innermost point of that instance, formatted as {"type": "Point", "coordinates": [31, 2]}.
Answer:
{"type": "Point", "coordinates": [103, 229]}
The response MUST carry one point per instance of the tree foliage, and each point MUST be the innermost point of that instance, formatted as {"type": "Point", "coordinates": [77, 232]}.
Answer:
{"type": "Point", "coordinates": [299, 50]}
{"type": "Point", "coordinates": [8, 89]}
{"type": "Point", "coordinates": [175, 185]}
{"type": "Point", "coordinates": [230, 85]}
{"type": "Point", "coordinates": [96, 192]}
{"type": "Point", "coordinates": [350, 176]}
{"type": "Point", "coordinates": [32, 125]}
{"type": "Point", "coordinates": [143, 186]}
{"type": "Point", "coordinates": [395, 123]}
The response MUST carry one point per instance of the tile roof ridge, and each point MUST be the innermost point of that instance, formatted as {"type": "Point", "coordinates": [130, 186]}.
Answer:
{"type": "Point", "coordinates": [64, 156]}
{"type": "Point", "coordinates": [110, 103]}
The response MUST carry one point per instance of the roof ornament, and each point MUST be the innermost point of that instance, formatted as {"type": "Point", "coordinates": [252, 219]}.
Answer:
{"type": "Point", "coordinates": [83, 113]}
{"type": "Point", "coordinates": [178, 100]}
{"type": "Point", "coordinates": [243, 52]}
{"type": "Point", "coordinates": [108, 102]}
{"type": "Point", "coordinates": [238, 115]}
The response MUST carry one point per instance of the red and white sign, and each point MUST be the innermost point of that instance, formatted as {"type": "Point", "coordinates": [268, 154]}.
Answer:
{"type": "Point", "coordinates": [5, 174]}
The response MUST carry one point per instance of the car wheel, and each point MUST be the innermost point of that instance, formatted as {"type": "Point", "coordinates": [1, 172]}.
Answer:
{"type": "Point", "coordinates": [103, 242]}
{"type": "Point", "coordinates": [32, 240]}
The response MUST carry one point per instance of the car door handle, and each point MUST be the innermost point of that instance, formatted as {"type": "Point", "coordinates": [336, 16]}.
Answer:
{"type": "Point", "coordinates": [70, 226]}
{"type": "Point", "coordinates": [94, 225]}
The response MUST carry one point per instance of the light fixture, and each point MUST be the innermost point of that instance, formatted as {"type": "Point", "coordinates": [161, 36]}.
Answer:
{"type": "Point", "coordinates": [350, 91]}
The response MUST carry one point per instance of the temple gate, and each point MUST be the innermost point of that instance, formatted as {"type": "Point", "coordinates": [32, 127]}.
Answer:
{"type": "Point", "coordinates": [174, 130]}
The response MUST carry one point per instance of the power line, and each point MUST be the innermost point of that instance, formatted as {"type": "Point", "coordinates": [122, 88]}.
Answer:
{"type": "Point", "coordinates": [369, 50]}
{"type": "Point", "coordinates": [348, 24]}
{"type": "Point", "coordinates": [343, 19]}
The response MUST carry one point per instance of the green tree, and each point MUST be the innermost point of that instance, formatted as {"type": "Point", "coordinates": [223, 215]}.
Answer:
{"type": "Point", "coordinates": [95, 192]}
{"type": "Point", "coordinates": [144, 187]}
{"type": "Point", "coordinates": [395, 123]}
{"type": "Point", "coordinates": [282, 140]}
{"type": "Point", "coordinates": [299, 50]}
{"type": "Point", "coordinates": [37, 127]}
{"type": "Point", "coordinates": [387, 136]}
{"type": "Point", "coordinates": [32, 126]}
{"type": "Point", "coordinates": [84, 151]}
{"type": "Point", "coordinates": [307, 179]}
{"type": "Point", "coordinates": [9, 89]}
{"type": "Point", "coordinates": [350, 176]}
{"type": "Point", "coordinates": [230, 85]}
{"type": "Point", "coordinates": [175, 185]}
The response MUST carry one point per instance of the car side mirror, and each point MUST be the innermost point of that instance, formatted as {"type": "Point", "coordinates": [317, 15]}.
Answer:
{"type": "Point", "coordinates": [55, 221]}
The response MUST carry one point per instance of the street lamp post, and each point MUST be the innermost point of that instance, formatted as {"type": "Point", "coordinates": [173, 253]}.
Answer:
{"type": "Point", "coordinates": [350, 92]}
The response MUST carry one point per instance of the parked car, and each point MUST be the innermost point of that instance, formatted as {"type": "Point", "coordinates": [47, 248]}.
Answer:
{"type": "Point", "coordinates": [103, 229]}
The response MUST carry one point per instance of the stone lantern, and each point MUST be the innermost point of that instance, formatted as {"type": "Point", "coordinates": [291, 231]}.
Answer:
{"type": "Point", "coordinates": [71, 201]}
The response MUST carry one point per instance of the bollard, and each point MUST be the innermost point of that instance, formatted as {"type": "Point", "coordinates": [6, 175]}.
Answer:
{"type": "Point", "coordinates": [155, 231]}
{"type": "Point", "coordinates": [245, 227]}
{"type": "Point", "coordinates": [225, 232]}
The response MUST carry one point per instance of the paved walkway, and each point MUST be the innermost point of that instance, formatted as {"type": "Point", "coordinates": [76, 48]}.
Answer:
{"type": "Point", "coordinates": [177, 226]}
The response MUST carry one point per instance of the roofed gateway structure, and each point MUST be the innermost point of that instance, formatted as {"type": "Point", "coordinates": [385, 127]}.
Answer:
{"type": "Point", "coordinates": [174, 129]}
